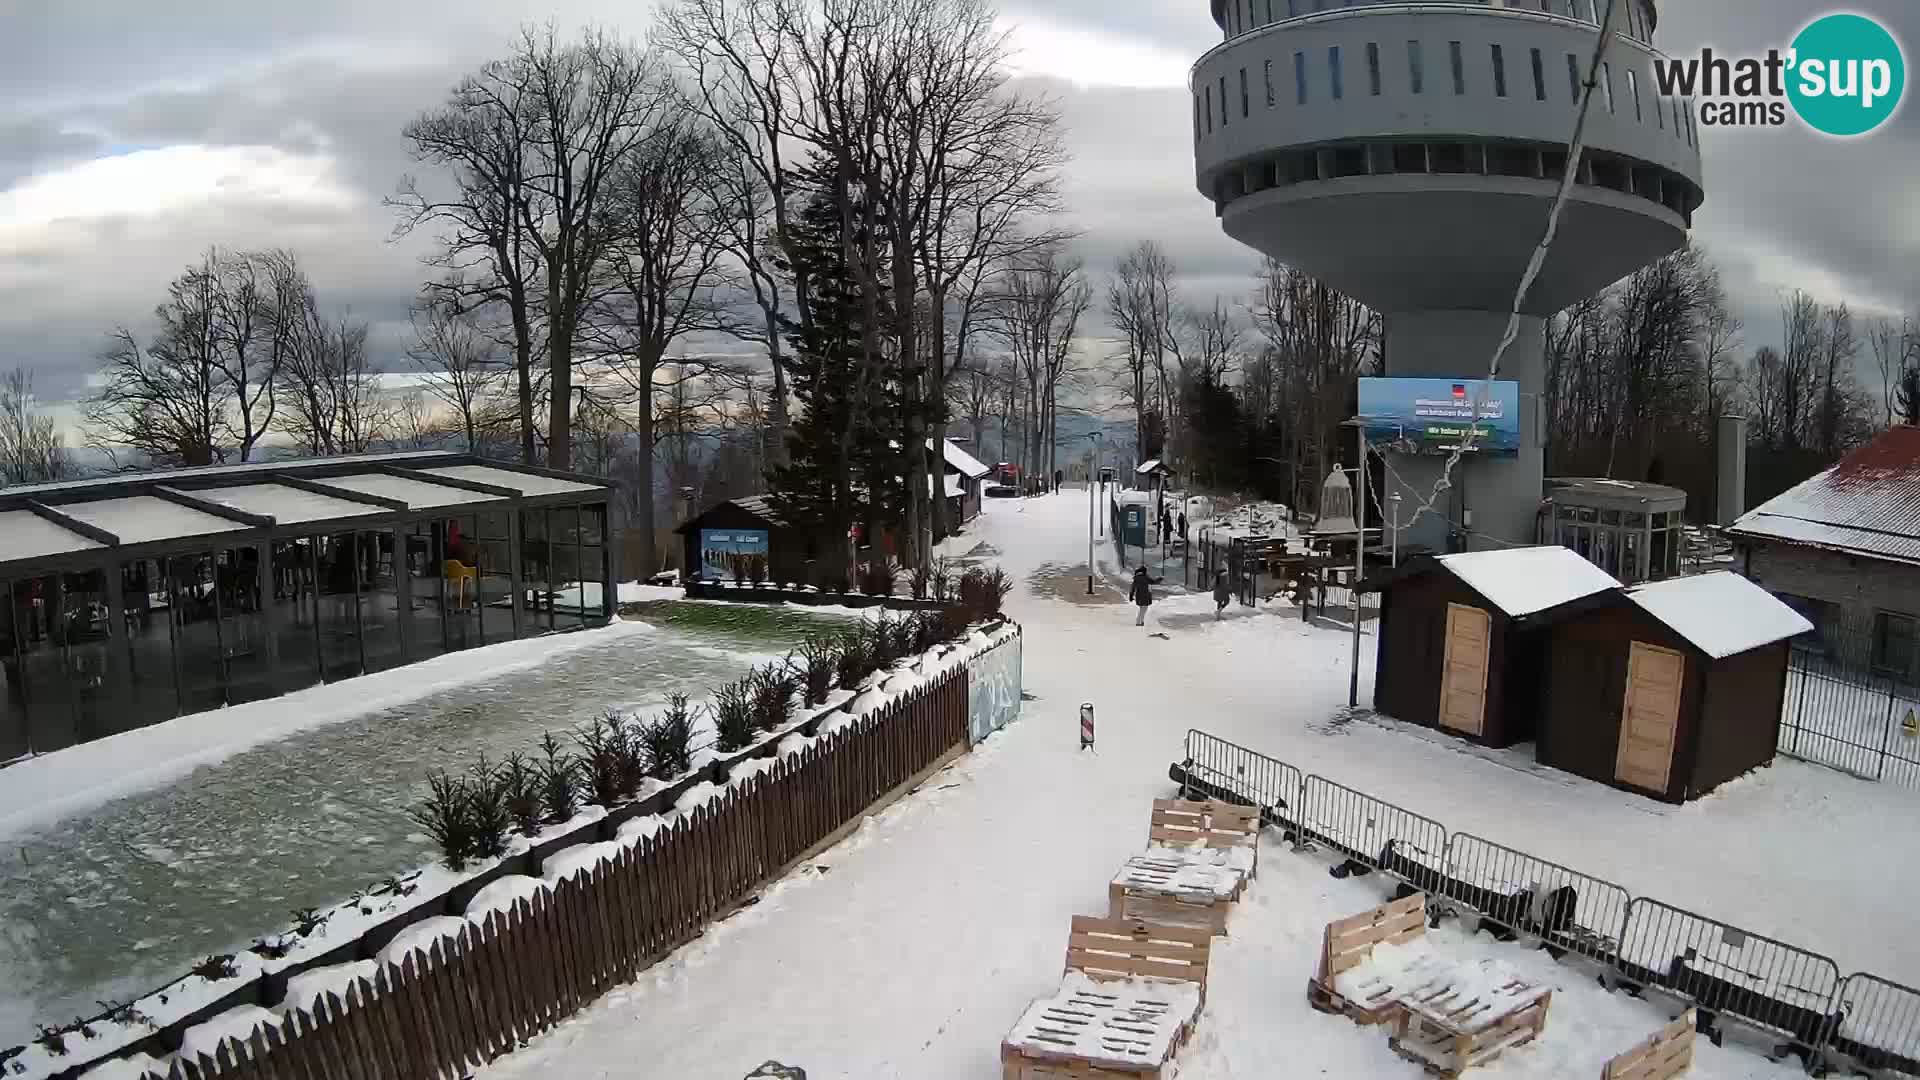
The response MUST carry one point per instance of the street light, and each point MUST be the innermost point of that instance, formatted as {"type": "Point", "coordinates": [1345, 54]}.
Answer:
{"type": "Point", "coordinates": [1094, 470]}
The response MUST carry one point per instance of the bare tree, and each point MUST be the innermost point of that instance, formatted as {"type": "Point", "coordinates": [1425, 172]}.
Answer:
{"type": "Point", "coordinates": [1141, 305]}
{"type": "Point", "coordinates": [1895, 349]}
{"type": "Point", "coordinates": [163, 399]}
{"type": "Point", "coordinates": [250, 346]}
{"type": "Point", "coordinates": [330, 397]}
{"type": "Point", "coordinates": [1320, 341]}
{"type": "Point", "coordinates": [666, 271]}
{"type": "Point", "coordinates": [462, 367]}
{"type": "Point", "coordinates": [31, 449]}
{"type": "Point", "coordinates": [1046, 294]}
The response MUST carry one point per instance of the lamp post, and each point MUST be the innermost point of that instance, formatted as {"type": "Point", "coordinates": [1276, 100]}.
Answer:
{"type": "Point", "coordinates": [1094, 471]}
{"type": "Point", "coordinates": [1396, 530]}
{"type": "Point", "coordinates": [1359, 556]}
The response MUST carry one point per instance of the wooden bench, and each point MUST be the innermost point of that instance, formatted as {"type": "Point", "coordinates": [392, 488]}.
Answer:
{"type": "Point", "coordinates": [1130, 997]}
{"type": "Point", "coordinates": [1199, 858]}
{"type": "Point", "coordinates": [1349, 942]}
{"type": "Point", "coordinates": [1669, 1053]}
{"type": "Point", "coordinates": [1448, 1027]}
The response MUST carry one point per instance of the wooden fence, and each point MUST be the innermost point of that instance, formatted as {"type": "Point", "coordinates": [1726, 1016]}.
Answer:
{"type": "Point", "coordinates": [468, 999]}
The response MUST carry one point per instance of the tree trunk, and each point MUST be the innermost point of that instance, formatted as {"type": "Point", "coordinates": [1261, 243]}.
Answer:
{"type": "Point", "coordinates": [777, 405]}
{"type": "Point", "coordinates": [643, 484]}
{"type": "Point", "coordinates": [559, 378]}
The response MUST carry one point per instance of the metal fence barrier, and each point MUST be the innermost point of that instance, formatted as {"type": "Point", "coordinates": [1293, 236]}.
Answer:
{"type": "Point", "coordinates": [1879, 1024]}
{"type": "Point", "coordinates": [1570, 911]}
{"type": "Point", "coordinates": [1256, 779]}
{"type": "Point", "coordinates": [1371, 832]}
{"type": "Point", "coordinates": [1724, 969]}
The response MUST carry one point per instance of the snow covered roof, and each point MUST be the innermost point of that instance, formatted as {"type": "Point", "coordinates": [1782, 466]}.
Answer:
{"type": "Point", "coordinates": [141, 518]}
{"type": "Point", "coordinates": [26, 535]}
{"type": "Point", "coordinates": [286, 505]}
{"type": "Point", "coordinates": [524, 483]}
{"type": "Point", "coordinates": [1722, 613]}
{"type": "Point", "coordinates": [965, 462]}
{"type": "Point", "coordinates": [1867, 503]}
{"type": "Point", "coordinates": [417, 494]}
{"type": "Point", "coordinates": [1153, 465]}
{"type": "Point", "coordinates": [1522, 581]}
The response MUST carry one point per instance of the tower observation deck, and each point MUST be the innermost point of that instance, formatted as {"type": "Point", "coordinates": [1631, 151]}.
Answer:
{"type": "Point", "coordinates": [1408, 154]}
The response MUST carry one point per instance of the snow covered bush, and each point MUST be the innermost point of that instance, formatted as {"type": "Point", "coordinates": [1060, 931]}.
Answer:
{"type": "Point", "coordinates": [213, 969]}
{"type": "Point", "coordinates": [921, 577]}
{"type": "Point", "coordinates": [757, 570]}
{"type": "Point", "coordinates": [559, 780]}
{"type": "Point", "coordinates": [732, 710]}
{"type": "Point", "coordinates": [816, 668]}
{"type": "Point", "coordinates": [488, 819]}
{"type": "Point", "coordinates": [612, 757]}
{"type": "Point", "coordinates": [772, 697]}
{"type": "Point", "coordinates": [905, 637]}
{"type": "Point", "coordinates": [668, 739]}
{"type": "Point", "coordinates": [998, 585]}
{"type": "Point", "coordinates": [881, 642]}
{"type": "Point", "coordinates": [942, 578]}
{"type": "Point", "coordinates": [520, 785]}
{"type": "Point", "coordinates": [854, 659]}
{"type": "Point", "coordinates": [444, 816]}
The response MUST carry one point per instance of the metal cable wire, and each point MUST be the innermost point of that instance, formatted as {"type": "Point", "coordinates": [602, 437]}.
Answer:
{"type": "Point", "coordinates": [1575, 149]}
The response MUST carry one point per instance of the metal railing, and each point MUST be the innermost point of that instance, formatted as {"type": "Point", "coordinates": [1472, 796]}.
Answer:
{"type": "Point", "coordinates": [1840, 713]}
{"type": "Point", "coordinates": [1723, 970]}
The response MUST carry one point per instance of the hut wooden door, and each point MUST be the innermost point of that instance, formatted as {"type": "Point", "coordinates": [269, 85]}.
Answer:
{"type": "Point", "coordinates": [1463, 672]}
{"type": "Point", "coordinates": [1650, 717]}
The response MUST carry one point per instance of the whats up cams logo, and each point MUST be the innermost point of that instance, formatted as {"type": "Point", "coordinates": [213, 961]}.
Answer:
{"type": "Point", "coordinates": [1844, 76]}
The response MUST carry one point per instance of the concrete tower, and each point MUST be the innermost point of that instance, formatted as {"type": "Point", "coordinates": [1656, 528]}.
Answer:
{"type": "Point", "coordinates": [1407, 154]}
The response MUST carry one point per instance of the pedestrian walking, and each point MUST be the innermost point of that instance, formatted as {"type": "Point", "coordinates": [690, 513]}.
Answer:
{"type": "Point", "coordinates": [1141, 595]}
{"type": "Point", "coordinates": [1183, 524]}
{"type": "Point", "coordinates": [1222, 593]}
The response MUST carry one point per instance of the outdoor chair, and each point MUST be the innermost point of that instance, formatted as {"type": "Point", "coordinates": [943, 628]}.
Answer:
{"type": "Point", "coordinates": [1199, 858]}
{"type": "Point", "coordinates": [1129, 999]}
{"type": "Point", "coordinates": [1667, 1054]}
{"type": "Point", "coordinates": [457, 575]}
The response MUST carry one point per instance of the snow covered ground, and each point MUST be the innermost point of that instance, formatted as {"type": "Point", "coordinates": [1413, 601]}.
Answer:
{"type": "Point", "coordinates": [909, 949]}
{"type": "Point", "coordinates": [130, 858]}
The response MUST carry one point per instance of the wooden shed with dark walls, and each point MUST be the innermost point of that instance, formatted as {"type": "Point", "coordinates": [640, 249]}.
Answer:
{"type": "Point", "coordinates": [1669, 689]}
{"type": "Point", "coordinates": [1462, 644]}
{"type": "Point", "coordinates": [743, 528]}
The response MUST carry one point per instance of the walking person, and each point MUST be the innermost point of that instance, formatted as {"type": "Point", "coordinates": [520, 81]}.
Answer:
{"type": "Point", "coordinates": [1222, 593]}
{"type": "Point", "coordinates": [1141, 594]}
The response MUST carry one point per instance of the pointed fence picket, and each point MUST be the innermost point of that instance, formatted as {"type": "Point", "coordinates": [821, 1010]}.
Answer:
{"type": "Point", "coordinates": [513, 974]}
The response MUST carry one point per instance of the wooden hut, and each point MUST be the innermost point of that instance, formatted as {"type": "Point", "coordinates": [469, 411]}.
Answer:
{"type": "Point", "coordinates": [1462, 645]}
{"type": "Point", "coordinates": [1669, 689]}
{"type": "Point", "coordinates": [721, 536]}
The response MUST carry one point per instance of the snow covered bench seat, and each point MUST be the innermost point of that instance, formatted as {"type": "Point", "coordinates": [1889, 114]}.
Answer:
{"type": "Point", "coordinates": [1130, 997]}
{"type": "Point", "coordinates": [1665, 1056]}
{"type": "Point", "coordinates": [1349, 944]}
{"type": "Point", "coordinates": [1199, 858]}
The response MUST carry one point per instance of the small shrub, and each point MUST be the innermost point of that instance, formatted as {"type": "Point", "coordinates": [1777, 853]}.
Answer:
{"type": "Point", "coordinates": [880, 641]}
{"type": "Point", "coordinates": [732, 710]}
{"type": "Point", "coordinates": [942, 577]}
{"type": "Point", "coordinates": [878, 577]}
{"type": "Point", "coordinates": [853, 660]}
{"type": "Point", "coordinates": [273, 948]}
{"type": "Point", "coordinates": [216, 967]}
{"type": "Point", "coordinates": [488, 819]}
{"type": "Point", "coordinates": [903, 632]}
{"type": "Point", "coordinates": [559, 780]}
{"type": "Point", "coordinates": [445, 818]}
{"type": "Point", "coordinates": [125, 1013]}
{"type": "Point", "coordinates": [53, 1039]}
{"type": "Point", "coordinates": [738, 563]}
{"type": "Point", "coordinates": [816, 668]}
{"type": "Point", "coordinates": [998, 586]}
{"type": "Point", "coordinates": [520, 785]}
{"type": "Point", "coordinates": [972, 592]}
{"type": "Point", "coordinates": [611, 757]}
{"type": "Point", "coordinates": [306, 920]}
{"type": "Point", "coordinates": [954, 622]}
{"type": "Point", "coordinates": [772, 697]}
{"type": "Point", "coordinates": [668, 740]}
{"type": "Point", "coordinates": [926, 631]}
{"type": "Point", "coordinates": [920, 579]}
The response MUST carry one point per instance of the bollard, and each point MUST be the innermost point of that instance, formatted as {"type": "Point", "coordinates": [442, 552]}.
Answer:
{"type": "Point", "coordinates": [1086, 725]}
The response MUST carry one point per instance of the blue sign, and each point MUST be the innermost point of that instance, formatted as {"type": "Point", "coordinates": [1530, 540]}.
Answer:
{"type": "Point", "coordinates": [725, 551]}
{"type": "Point", "coordinates": [1434, 416]}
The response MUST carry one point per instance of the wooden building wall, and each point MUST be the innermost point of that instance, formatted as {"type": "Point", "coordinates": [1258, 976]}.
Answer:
{"type": "Point", "coordinates": [1740, 729]}
{"type": "Point", "coordinates": [788, 550]}
{"type": "Point", "coordinates": [1587, 674]}
{"type": "Point", "coordinates": [1413, 649]}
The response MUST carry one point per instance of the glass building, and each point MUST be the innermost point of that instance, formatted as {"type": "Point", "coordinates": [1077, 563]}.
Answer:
{"type": "Point", "coordinates": [1631, 530]}
{"type": "Point", "coordinates": [130, 599]}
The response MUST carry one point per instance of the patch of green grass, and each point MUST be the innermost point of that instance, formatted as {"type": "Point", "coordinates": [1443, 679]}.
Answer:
{"type": "Point", "coordinates": [750, 624]}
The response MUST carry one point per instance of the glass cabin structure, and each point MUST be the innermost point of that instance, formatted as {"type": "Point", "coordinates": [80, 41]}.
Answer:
{"type": "Point", "coordinates": [130, 599]}
{"type": "Point", "coordinates": [1631, 530]}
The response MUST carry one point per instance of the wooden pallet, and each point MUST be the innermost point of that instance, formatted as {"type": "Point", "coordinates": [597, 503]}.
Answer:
{"type": "Point", "coordinates": [1164, 888]}
{"type": "Point", "coordinates": [1349, 942]}
{"type": "Point", "coordinates": [1086, 1031]}
{"type": "Point", "coordinates": [1182, 823]}
{"type": "Point", "coordinates": [1448, 1033]}
{"type": "Point", "coordinates": [1667, 1054]}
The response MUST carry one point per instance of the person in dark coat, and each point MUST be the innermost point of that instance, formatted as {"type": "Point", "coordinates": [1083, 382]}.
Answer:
{"type": "Point", "coordinates": [1222, 593]}
{"type": "Point", "coordinates": [1141, 594]}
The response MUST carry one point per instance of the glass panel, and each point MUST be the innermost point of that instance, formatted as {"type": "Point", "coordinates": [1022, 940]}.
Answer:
{"type": "Point", "coordinates": [1415, 74]}
{"type": "Point", "coordinates": [250, 676]}
{"type": "Point", "coordinates": [1587, 513]}
{"type": "Point", "coordinates": [340, 570]}
{"type": "Point", "coordinates": [295, 614]}
{"type": "Point", "coordinates": [1300, 78]}
{"type": "Point", "coordinates": [14, 621]}
{"type": "Point", "coordinates": [380, 614]}
{"type": "Point", "coordinates": [42, 675]}
{"type": "Point", "coordinates": [1499, 72]}
{"type": "Point", "coordinates": [86, 629]}
{"type": "Point", "coordinates": [421, 563]}
{"type": "Point", "coordinates": [193, 610]}
{"type": "Point", "coordinates": [1635, 520]}
{"type": "Point", "coordinates": [1610, 517]}
{"type": "Point", "coordinates": [564, 527]}
{"type": "Point", "coordinates": [1603, 552]}
{"type": "Point", "coordinates": [460, 569]}
{"type": "Point", "coordinates": [1333, 67]}
{"type": "Point", "coordinates": [1459, 68]}
{"type": "Point", "coordinates": [593, 564]}
{"type": "Point", "coordinates": [496, 573]}
{"type": "Point", "coordinates": [149, 648]}
{"type": "Point", "coordinates": [1630, 572]}
{"type": "Point", "coordinates": [1893, 644]}
{"type": "Point", "coordinates": [536, 567]}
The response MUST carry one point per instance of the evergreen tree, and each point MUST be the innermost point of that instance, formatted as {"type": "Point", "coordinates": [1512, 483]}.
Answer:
{"type": "Point", "coordinates": [846, 464]}
{"type": "Point", "coordinates": [1907, 395]}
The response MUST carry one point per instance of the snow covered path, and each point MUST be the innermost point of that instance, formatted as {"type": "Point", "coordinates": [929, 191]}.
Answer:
{"type": "Point", "coordinates": [909, 949]}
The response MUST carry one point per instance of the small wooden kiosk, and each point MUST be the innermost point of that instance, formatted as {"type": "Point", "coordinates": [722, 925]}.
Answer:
{"type": "Point", "coordinates": [1669, 689]}
{"type": "Point", "coordinates": [1461, 641]}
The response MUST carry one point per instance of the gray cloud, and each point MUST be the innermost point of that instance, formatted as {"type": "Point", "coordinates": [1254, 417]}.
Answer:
{"type": "Point", "coordinates": [336, 81]}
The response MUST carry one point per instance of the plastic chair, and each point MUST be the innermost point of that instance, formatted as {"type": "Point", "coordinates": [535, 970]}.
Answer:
{"type": "Point", "coordinates": [458, 574]}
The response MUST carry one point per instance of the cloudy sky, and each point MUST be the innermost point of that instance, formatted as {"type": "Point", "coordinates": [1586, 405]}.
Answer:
{"type": "Point", "coordinates": [134, 134]}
